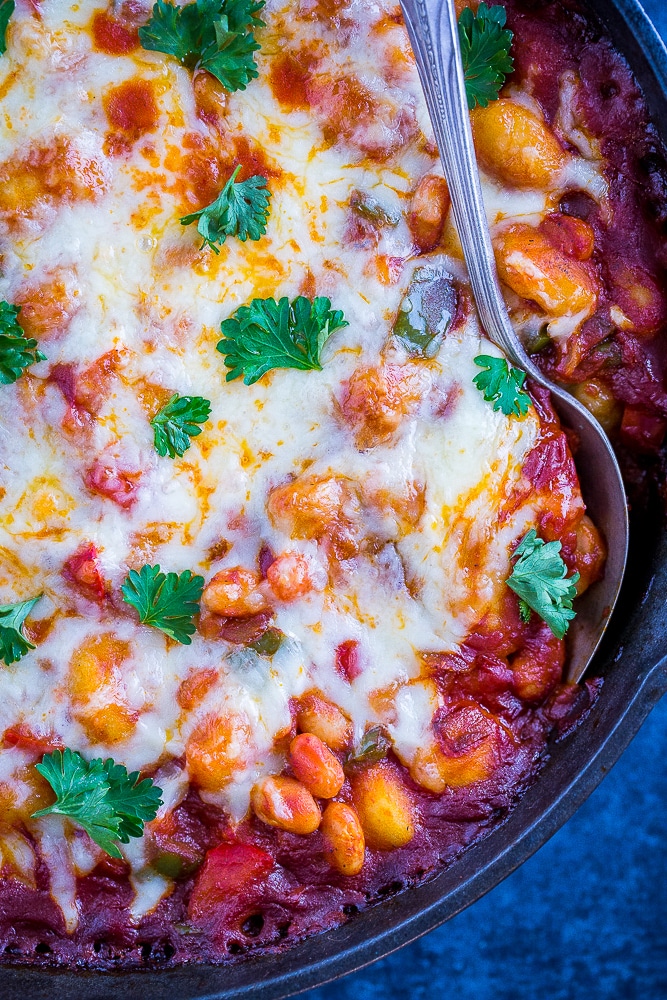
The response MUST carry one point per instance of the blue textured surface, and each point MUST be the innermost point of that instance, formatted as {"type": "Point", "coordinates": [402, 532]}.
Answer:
{"type": "Point", "coordinates": [657, 11]}
{"type": "Point", "coordinates": [586, 917]}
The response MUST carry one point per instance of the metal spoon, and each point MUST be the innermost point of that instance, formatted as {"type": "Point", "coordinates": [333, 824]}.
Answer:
{"type": "Point", "coordinates": [433, 31]}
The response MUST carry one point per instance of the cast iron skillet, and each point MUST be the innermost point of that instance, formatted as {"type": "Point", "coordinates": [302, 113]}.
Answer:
{"type": "Point", "coordinates": [633, 660]}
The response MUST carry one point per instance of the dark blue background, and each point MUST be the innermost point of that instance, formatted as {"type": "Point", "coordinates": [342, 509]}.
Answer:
{"type": "Point", "coordinates": [584, 917]}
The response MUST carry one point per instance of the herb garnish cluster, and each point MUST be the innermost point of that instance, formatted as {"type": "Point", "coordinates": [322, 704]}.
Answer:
{"type": "Point", "coordinates": [100, 797]}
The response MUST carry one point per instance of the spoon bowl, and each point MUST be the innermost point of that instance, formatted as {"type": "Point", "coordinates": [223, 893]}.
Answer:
{"type": "Point", "coordinates": [433, 30]}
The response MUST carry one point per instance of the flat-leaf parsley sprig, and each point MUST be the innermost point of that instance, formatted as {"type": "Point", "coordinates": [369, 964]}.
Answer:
{"type": "Point", "coordinates": [485, 45]}
{"type": "Point", "coordinates": [214, 35]}
{"type": "Point", "coordinates": [13, 643]}
{"type": "Point", "coordinates": [6, 11]}
{"type": "Point", "coordinates": [270, 334]}
{"type": "Point", "coordinates": [165, 601]}
{"type": "Point", "coordinates": [539, 578]}
{"type": "Point", "coordinates": [100, 797]}
{"type": "Point", "coordinates": [241, 210]}
{"type": "Point", "coordinates": [177, 422]}
{"type": "Point", "coordinates": [502, 385]}
{"type": "Point", "coordinates": [17, 352]}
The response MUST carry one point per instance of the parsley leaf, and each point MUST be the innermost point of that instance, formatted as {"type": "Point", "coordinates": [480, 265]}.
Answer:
{"type": "Point", "coordinates": [539, 580]}
{"type": "Point", "coordinates": [502, 385]}
{"type": "Point", "coordinates": [270, 334]}
{"type": "Point", "coordinates": [241, 209]}
{"type": "Point", "coordinates": [214, 35]}
{"type": "Point", "coordinates": [6, 11]}
{"type": "Point", "coordinates": [485, 45]}
{"type": "Point", "coordinates": [13, 643]}
{"type": "Point", "coordinates": [100, 797]}
{"type": "Point", "coordinates": [165, 601]}
{"type": "Point", "coordinates": [17, 352]}
{"type": "Point", "coordinates": [135, 802]}
{"type": "Point", "coordinates": [176, 423]}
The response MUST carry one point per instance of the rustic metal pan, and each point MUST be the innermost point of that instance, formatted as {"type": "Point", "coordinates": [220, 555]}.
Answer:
{"type": "Point", "coordinates": [633, 660]}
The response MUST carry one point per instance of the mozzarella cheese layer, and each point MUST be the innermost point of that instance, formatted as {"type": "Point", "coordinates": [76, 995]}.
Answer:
{"type": "Point", "coordinates": [100, 156]}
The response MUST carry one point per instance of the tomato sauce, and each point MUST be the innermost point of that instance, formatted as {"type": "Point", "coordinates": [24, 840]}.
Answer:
{"type": "Point", "coordinates": [132, 112]}
{"type": "Point", "coordinates": [630, 248]}
{"type": "Point", "coordinates": [290, 75]}
{"type": "Point", "coordinates": [115, 37]}
{"type": "Point", "coordinates": [253, 886]}
{"type": "Point", "coordinates": [286, 889]}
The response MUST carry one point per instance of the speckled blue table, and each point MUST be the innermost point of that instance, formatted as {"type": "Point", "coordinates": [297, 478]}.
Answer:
{"type": "Point", "coordinates": [586, 917]}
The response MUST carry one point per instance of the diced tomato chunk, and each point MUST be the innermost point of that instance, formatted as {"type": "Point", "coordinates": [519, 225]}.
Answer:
{"type": "Point", "coordinates": [290, 76]}
{"type": "Point", "coordinates": [23, 737]}
{"type": "Point", "coordinates": [85, 389]}
{"type": "Point", "coordinates": [347, 660]}
{"type": "Point", "coordinates": [131, 107]}
{"type": "Point", "coordinates": [83, 569]}
{"type": "Point", "coordinates": [229, 870]}
{"type": "Point", "coordinates": [113, 36]}
{"type": "Point", "coordinates": [109, 479]}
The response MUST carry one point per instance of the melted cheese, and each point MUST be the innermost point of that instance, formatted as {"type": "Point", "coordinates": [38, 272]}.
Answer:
{"type": "Point", "coordinates": [135, 282]}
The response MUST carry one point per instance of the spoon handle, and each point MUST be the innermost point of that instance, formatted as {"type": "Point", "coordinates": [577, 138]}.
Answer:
{"type": "Point", "coordinates": [433, 30]}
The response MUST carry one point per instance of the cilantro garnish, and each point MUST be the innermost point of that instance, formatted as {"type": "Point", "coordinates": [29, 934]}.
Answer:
{"type": "Point", "coordinates": [271, 334]}
{"type": "Point", "coordinates": [165, 600]}
{"type": "Point", "coordinates": [539, 580]}
{"type": "Point", "coordinates": [502, 385]}
{"type": "Point", "coordinates": [17, 352]}
{"type": "Point", "coordinates": [6, 11]}
{"type": "Point", "coordinates": [241, 210]}
{"type": "Point", "coordinates": [13, 643]}
{"type": "Point", "coordinates": [485, 45]}
{"type": "Point", "coordinates": [176, 423]}
{"type": "Point", "coordinates": [100, 797]}
{"type": "Point", "coordinates": [214, 35]}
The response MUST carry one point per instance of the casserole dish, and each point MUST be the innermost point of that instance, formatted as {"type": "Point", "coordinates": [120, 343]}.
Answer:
{"type": "Point", "coordinates": [572, 770]}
